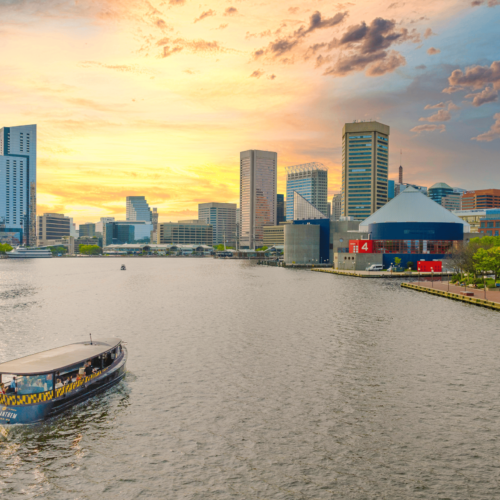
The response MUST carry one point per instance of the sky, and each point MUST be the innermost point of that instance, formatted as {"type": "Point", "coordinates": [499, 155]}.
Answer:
{"type": "Point", "coordinates": [158, 98]}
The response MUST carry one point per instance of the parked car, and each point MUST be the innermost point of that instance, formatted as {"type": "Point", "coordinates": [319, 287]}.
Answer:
{"type": "Point", "coordinates": [375, 267]}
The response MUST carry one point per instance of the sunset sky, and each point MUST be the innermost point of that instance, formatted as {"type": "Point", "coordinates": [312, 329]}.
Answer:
{"type": "Point", "coordinates": [157, 98]}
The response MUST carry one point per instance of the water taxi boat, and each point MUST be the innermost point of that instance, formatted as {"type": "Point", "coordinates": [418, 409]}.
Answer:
{"type": "Point", "coordinates": [43, 385]}
{"type": "Point", "coordinates": [29, 253]}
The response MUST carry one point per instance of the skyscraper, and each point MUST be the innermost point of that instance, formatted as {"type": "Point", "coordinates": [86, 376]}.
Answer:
{"type": "Point", "coordinates": [336, 206]}
{"type": "Point", "coordinates": [18, 179]}
{"type": "Point", "coordinates": [280, 208]}
{"type": "Point", "coordinates": [258, 185]}
{"type": "Point", "coordinates": [365, 156]}
{"type": "Point", "coordinates": [222, 218]}
{"type": "Point", "coordinates": [310, 181]}
{"type": "Point", "coordinates": [400, 174]}
{"type": "Point", "coordinates": [138, 209]}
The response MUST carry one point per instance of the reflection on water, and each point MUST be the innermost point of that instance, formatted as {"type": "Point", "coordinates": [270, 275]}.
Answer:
{"type": "Point", "coordinates": [253, 382]}
{"type": "Point", "coordinates": [42, 452]}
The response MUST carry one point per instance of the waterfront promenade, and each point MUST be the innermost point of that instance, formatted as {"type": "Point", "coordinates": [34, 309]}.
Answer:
{"type": "Point", "coordinates": [479, 297]}
{"type": "Point", "coordinates": [378, 274]}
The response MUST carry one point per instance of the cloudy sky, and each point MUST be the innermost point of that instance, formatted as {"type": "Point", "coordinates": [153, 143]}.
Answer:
{"type": "Point", "coordinates": [158, 97]}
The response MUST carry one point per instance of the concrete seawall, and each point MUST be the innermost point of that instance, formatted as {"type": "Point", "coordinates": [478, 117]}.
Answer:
{"type": "Point", "coordinates": [454, 296]}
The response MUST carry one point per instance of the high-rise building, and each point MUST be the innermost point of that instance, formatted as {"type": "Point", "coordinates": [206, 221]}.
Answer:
{"type": "Point", "coordinates": [481, 199]}
{"type": "Point", "coordinates": [182, 233]}
{"type": "Point", "coordinates": [258, 185]}
{"type": "Point", "coordinates": [438, 190]}
{"type": "Point", "coordinates": [52, 227]}
{"type": "Point", "coordinates": [336, 206]}
{"type": "Point", "coordinates": [400, 174]}
{"type": "Point", "coordinates": [310, 181]}
{"type": "Point", "coordinates": [138, 209]}
{"type": "Point", "coordinates": [391, 185]}
{"type": "Point", "coordinates": [365, 156]}
{"type": "Point", "coordinates": [18, 179]}
{"type": "Point", "coordinates": [280, 208]}
{"type": "Point", "coordinates": [222, 218]}
{"type": "Point", "coordinates": [87, 230]}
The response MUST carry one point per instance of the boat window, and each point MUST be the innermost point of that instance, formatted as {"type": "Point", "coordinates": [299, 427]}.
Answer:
{"type": "Point", "coordinates": [34, 384]}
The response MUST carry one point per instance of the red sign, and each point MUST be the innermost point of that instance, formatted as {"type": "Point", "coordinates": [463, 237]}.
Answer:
{"type": "Point", "coordinates": [429, 266]}
{"type": "Point", "coordinates": [360, 246]}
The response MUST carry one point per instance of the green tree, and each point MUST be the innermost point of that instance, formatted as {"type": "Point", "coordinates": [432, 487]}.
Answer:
{"type": "Point", "coordinates": [262, 249]}
{"type": "Point", "coordinates": [5, 247]}
{"type": "Point", "coordinates": [488, 260]}
{"type": "Point", "coordinates": [397, 261]}
{"type": "Point", "coordinates": [90, 249]}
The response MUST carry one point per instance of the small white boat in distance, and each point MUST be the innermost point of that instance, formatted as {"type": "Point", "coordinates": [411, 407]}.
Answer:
{"type": "Point", "coordinates": [29, 253]}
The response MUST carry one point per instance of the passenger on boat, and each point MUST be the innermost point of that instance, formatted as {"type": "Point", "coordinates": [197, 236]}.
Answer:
{"type": "Point", "coordinates": [58, 383]}
{"type": "Point", "coordinates": [12, 386]}
{"type": "Point", "coordinates": [88, 368]}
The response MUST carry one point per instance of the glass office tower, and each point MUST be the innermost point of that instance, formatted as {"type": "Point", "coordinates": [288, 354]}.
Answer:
{"type": "Point", "coordinates": [310, 180]}
{"type": "Point", "coordinates": [222, 218]}
{"type": "Point", "coordinates": [258, 189]}
{"type": "Point", "coordinates": [18, 180]}
{"type": "Point", "coordinates": [365, 157]}
{"type": "Point", "coordinates": [280, 207]}
{"type": "Point", "coordinates": [138, 209]}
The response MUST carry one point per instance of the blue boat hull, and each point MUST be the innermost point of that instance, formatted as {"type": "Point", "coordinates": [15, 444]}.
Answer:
{"type": "Point", "coordinates": [27, 414]}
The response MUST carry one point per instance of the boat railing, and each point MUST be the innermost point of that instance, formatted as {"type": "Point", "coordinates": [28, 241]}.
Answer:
{"type": "Point", "coordinates": [74, 385]}
{"type": "Point", "coordinates": [41, 397]}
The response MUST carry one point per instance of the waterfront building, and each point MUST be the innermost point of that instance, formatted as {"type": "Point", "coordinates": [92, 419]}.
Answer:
{"type": "Point", "coordinates": [222, 218]}
{"type": "Point", "coordinates": [87, 230]}
{"type": "Point", "coordinates": [275, 235]}
{"type": "Point", "coordinates": [413, 227]}
{"type": "Point", "coordinates": [154, 248]}
{"type": "Point", "coordinates": [302, 244]}
{"type": "Point", "coordinates": [280, 208]}
{"type": "Point", "coordinates": [185, 233]}
{"type": "Point", "coordinates": [481, 199]}
{"type": "Point", "coordinates": [490, 223]}
{"type": "Point", "coordinates": [336, 206]}
{"type": "Point", "coordinates": [138, 209]}
{"type": "Point", "coordinates": [119, 232]}
{"type": "Point", "coordinates": [310, 181]}
{"type": "Point", "coordinates": [258, 185]}
{"type": "Point", "coordinates": [365, 157]}
{"type": "Point", "coordinates": [438, 190]}
{"type": "Point", "coordinates": [18, 160]}
{"type": "Point", "coordinates": [52, 227]}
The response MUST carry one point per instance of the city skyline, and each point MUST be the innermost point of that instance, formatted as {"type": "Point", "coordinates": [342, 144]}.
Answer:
{"type": "Point", "coordinates": [165, 113]}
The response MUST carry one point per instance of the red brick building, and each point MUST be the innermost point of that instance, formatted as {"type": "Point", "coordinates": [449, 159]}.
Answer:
{"type": "Point", "coordinates": [480, 199]}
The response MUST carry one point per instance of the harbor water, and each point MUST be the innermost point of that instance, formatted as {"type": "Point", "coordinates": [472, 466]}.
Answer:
{"type": "Point", "coordinates": [254, 382]}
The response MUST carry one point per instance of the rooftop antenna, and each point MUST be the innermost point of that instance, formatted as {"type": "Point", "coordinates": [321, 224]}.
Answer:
{"type": "Point", "coordinates": [90, 339]}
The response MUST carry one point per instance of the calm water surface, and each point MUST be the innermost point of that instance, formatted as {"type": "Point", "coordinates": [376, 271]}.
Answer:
{"type": "Point", "coordinates": [253, 382]}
